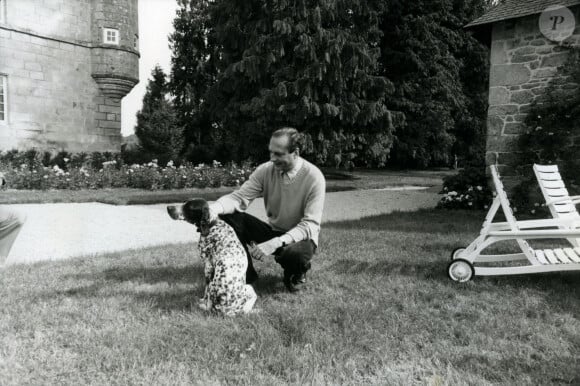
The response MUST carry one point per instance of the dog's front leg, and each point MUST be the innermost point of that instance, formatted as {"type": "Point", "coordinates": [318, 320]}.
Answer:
{"type": "Point", "coordinates": [205, 301]}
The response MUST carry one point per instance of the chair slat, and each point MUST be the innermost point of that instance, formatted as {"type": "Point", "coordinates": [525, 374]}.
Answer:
{"type": "Point", "coordinates": [572, 255]}
{"type": "Point", "coordinates": [551, 257]}
{"type": "Point", "coordinates": [549, 176]}
{"type": "Point", "coordinates": [561, 255]}
{"type": "Point", "coordinates": [540, 256]}
{"type": "Point", "coordinates": [560, 192]}
{"type": "Point", "coordinates": [546, 168]}
{"type": "Point", "coordinates": [565, 208]}
{"type": "Point", "coordinates": [552, 184]}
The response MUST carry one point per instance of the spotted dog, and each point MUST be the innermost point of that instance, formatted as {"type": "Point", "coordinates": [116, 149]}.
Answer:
{"type": "Point", "coordinates": [224, 259]}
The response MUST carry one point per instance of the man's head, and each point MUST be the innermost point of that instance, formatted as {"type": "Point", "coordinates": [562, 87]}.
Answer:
{"type": "Point", "coordinates": [284, 148]}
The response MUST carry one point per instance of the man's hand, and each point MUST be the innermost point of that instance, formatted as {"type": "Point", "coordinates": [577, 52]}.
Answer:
{"type": "Point", "coordinates": [215, 210]}
{"type": "Point", "coordinates": [266, 249]}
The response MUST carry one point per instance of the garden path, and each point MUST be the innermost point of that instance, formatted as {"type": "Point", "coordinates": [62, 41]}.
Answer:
{"type": "Point", "coordinates": [60, 231]}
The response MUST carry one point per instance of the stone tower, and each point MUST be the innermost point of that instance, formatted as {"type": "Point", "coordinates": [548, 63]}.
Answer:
{"type": "Point", "coordinates": [65, 65]}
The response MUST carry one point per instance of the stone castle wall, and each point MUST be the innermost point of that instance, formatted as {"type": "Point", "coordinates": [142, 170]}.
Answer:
{"type": "Point", "coordinates": [64, 85]}
{"type": "Point", "coordinates": [523, 63]}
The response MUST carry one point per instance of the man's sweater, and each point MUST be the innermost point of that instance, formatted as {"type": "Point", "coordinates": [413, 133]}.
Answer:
{"type": "Point", "coordinates": [294, 207]}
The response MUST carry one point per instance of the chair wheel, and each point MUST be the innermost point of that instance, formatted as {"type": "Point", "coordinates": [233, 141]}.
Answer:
{"type": "Point", "coordinates": [460, 270]}
{"type": "Point", "coordinates": [456, 252]}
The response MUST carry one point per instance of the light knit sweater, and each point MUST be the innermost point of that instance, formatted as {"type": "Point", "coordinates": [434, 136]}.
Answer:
{"type": "Point", "coordinates": [294, 207]}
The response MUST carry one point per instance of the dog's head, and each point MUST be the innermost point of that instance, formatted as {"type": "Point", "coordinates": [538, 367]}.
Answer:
{"type": "Point", "coordinates": [195, 212]}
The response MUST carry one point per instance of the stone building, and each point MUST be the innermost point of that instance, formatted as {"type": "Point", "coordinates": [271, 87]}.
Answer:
{"type": "Point", "coordinates": [64, 67]}
{"type": "Point", "coordinates": [529, 41]}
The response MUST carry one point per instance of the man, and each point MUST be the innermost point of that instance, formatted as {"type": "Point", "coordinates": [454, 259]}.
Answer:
{"type": "Point", "coordinates": [293, 191]}
{"type": "Point", "coordinates": [10, 224]}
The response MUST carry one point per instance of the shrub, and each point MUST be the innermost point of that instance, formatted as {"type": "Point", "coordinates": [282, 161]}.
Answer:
{"type": "Point", "coordinates": [466, 190]}
{"type": "Point", "coordinates": [24, 170]}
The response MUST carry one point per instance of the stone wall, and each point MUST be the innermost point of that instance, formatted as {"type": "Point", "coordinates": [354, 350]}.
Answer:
{"type": "Point", "coordinates": [47, 51]}
{"type": "Point", "coordinates": [64, 19]}
{"type": "Point", "coordinates": [523, 63]}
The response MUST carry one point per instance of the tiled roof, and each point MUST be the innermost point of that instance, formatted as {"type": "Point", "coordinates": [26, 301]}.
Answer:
{"type": "Point", "coordinates": [512, 9]}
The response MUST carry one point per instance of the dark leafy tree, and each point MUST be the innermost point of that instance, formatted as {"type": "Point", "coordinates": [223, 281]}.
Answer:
{"type": "Point", "coordinates": [244, 68]}
{"type": "Point", "coordinates": [160, 135]}
{"type": "Point", "coordinates": [439, 73]}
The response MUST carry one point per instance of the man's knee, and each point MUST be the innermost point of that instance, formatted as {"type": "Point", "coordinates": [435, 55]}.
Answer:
{"type": "Point", "coordinates": [235, 220]}
{"type": "Point", "coordinates": [304, 248]}
{"type": "Point", "coordinates": [297, 256]}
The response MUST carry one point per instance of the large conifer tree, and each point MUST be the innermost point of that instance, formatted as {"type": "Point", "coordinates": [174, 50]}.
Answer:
{"type": "Point", "coordinates": [243, 68]}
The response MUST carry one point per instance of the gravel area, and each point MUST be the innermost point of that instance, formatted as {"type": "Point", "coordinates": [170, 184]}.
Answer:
{"type": "Point", "coordinates": [60, 231]}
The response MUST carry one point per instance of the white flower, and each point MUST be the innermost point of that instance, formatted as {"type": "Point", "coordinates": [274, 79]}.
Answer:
{"type": "Point", "coordinates": [532, 211]}
{"type": "Point", "coordinates": [470, 203]}
{"type": "Point", "coordinates": [452, 193]}
{"type": "Point", "coordinates": [536, 204]}
{"type": "Point", "coordinates": [66, 159]}
{"type": "Point", "coordinates": [479, 188]}
{"type": "Point", "coordinates": [485, 207]}
{"type": "Point", "coordinates": [170, 163]}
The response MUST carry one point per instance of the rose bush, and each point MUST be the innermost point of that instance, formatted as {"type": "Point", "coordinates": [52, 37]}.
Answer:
{"type": "Point", "coordinates": [31, 172]}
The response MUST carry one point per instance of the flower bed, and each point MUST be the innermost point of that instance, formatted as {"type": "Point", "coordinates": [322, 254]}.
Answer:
{"type": "Point", "coordinates": [466, 190]}
{"type": "Point", "coordinates": [115, 174]}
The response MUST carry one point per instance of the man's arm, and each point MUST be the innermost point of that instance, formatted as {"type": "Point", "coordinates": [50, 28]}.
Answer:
{"type": "Point", "coordinates": [241, 199]}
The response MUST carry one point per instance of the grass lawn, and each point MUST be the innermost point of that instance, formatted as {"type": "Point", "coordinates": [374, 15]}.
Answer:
{"type": "Point", "coordinates": [378, 309]}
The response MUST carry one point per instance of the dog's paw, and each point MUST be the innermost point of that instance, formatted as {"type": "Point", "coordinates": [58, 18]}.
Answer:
{"type": "Point", "coordinates": [204, 306]}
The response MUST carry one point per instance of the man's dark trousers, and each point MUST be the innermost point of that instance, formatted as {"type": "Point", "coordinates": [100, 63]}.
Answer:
{"type": "Point", "coordinates": [250, 229]}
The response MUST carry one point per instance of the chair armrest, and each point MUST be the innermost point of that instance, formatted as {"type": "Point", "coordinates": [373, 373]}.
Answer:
{"type": "Point", "coordinates": [540, 223]}
{"type": "Point", "coordinates": [537, 234]}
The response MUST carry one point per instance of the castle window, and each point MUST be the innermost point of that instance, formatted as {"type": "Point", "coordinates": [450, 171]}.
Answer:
{"type": "Point", "coordinates": [110, 36]}
{"type": "Point", "coordinates": [3, 99]}
{"type": "Point", "coordinates": [136, 42]}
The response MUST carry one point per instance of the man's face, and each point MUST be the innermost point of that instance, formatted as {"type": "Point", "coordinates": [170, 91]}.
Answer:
{"type": "Point", "coordinates": [279, 155]}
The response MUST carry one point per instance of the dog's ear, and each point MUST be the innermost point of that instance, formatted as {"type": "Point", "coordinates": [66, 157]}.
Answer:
{"type": "Point", "coordinates": [204, 222]}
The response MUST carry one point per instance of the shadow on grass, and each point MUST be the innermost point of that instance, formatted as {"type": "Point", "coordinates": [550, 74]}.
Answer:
{"type": "Point", "coordinates": [423, 221]}
{"type": "Point", "coordinates": [181, 286]}
{"type": "Point", "coordinates": [419, 268]}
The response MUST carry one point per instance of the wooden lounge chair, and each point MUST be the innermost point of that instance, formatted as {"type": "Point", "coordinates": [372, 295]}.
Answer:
{"type": "Point", "coordinates": [558, 200]}
{"type": "Point", "coordinates": [464, 264]}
